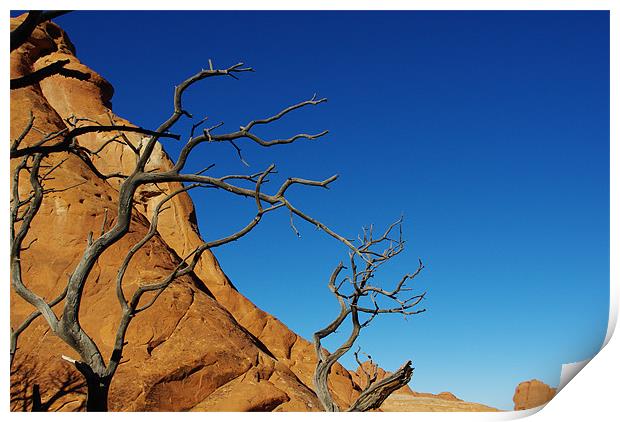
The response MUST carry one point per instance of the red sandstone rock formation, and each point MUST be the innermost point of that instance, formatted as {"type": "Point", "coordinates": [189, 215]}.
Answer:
{"type": "Point", "coordinates": [443, 395]}
{"type": "Point", "coordinates": [532, 393]}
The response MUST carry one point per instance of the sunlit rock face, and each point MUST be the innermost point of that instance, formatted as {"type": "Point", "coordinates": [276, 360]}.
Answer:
{"type": "Point", "coordinates": [532, 393]}
{"type": "Point", "coordinates": [427, 402]}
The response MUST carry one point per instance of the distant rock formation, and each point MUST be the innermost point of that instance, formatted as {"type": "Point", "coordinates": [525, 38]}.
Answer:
{"type": "Point", "coordinates": [533, 393]}
{"type": "Point", "coordinates": [443, 396]}
{"type": "Point", "coordinates": [426, 402]}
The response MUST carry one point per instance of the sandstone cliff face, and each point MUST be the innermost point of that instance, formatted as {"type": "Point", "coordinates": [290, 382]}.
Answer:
{"type": "Point", "coordinates": [532, 393]}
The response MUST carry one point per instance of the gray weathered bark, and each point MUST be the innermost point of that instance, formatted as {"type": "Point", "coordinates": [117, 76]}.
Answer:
{"type": "Point", "coordinates": [373, 396]}
{"type": "Point", "coordinates": [361, 288]}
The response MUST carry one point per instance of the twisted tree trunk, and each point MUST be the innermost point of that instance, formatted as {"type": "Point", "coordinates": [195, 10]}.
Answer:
{"type": "Point", "coordinates": [322, 390]}
{"type": "Point", "coordinates": [97, 394]}
{"type": "Point", "coordinates": [375, 394]}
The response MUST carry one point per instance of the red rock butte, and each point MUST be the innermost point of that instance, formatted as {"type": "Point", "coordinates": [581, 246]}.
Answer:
{"type": "Point", "coordinates": [533, 393]}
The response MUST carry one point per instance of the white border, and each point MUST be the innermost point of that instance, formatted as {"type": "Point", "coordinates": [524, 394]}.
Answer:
{"type": "Point", "coordinates": [592, 396]}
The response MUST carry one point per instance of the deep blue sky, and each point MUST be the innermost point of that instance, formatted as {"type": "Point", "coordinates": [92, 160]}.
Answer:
{"type": "Point", "coordinates": [488, 130]}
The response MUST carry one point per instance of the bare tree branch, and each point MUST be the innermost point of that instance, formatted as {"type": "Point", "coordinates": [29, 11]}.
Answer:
{"type": "Point", "coordinates": [370, 376]}
{"type": "Point", "coordinates": [374, 393]}
{"type": "Point", "coordinates": [24, 132]}
{"type": "Point", "coordinates": [243, 132]}
{"type": "Point", "coordinates": [15, 333]}
{"type": "Point", "coordinates": [178, 106]}
{"type": "Point", "coordinates": [18, 236]}
{"type": "Point", "coordinates": [64, 144]}
{"type": "Point", "coordinates": [56, 68]}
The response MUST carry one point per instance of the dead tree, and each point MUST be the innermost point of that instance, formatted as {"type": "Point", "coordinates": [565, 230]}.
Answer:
{"type": "Point", "coordinates": [361, 299]}
{"type": "Point", "coordinates": [372, 372]}
{"type": "Point", "coordinates": [35, 161]}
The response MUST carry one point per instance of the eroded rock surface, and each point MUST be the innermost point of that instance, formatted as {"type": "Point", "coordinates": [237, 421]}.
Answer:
{"type": "Point", "coordinates": [533, 393]}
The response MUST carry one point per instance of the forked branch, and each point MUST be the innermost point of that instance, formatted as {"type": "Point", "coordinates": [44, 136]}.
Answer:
{"type": "Point", "coordinates": [351, 292]}
{"type": "Point", "coordinates": [375, 394]}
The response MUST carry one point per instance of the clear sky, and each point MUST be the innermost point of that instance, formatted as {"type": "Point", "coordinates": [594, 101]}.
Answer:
{"type": "Point", "coordinates": [489, 131]}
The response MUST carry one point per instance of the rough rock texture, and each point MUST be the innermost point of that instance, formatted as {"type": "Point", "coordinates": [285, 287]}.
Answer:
{"type": "Point", "coordinates": [203, 345]}
{"type": "Point", "coordinates": [532, 393]}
